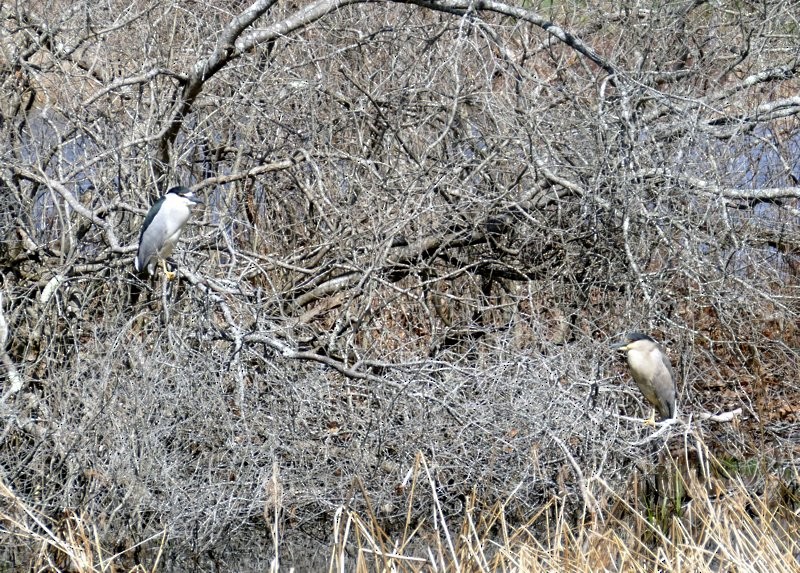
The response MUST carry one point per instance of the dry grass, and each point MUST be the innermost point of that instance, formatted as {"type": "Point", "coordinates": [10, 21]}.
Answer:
{"type": "Point", "coordinates": [67, 544]}
{"type": "Point", "coordinates": [731, 530]}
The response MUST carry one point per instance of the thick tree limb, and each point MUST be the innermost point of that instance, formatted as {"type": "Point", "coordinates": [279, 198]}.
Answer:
{"type": "Point", "coordinates": [206, 68]}
{"type": "Point", "coordinates": [7, 364]}
{"type": "Point", "coordinates": [464, 6]}
{"type": "Point", "coordinates": [299, 19]}
{"type": "Point", "coordinates": [764, 194]}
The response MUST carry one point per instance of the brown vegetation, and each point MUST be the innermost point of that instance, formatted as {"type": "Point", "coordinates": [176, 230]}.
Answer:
{"type": "Point", "coordinates": [425, 222]}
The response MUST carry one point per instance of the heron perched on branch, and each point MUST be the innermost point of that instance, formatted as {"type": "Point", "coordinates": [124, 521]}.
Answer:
{"type": "Point", "coordinates": [652, 372]}
{"type": "Point", "coordinates": [162, 228]}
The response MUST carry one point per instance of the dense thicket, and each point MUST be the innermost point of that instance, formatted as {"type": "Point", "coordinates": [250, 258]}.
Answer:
{"type": "Point", "coordinates": [425, 221]}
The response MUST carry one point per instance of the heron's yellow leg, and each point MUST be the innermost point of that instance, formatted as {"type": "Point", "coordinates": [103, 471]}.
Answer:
{"type": "Point", "coordinates": [170, 276]}
{"type": "Point", "coordinates": [651, 421]}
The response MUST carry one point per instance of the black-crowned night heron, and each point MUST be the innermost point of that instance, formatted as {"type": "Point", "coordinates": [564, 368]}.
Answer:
{"type": "Point", "coordinates": [162, 228]}
{"type": "Point", "coordinates": [652, 372]}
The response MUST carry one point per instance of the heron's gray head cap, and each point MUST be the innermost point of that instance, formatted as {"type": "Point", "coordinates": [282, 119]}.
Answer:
{"type": "Point", "coordinates": [185, 193]}
{"type": "Point", "coordinates": [630, 338]}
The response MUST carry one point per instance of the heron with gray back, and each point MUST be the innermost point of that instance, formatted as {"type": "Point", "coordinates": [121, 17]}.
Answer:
{"type": "Point", "coordinates": [652, 372]}
{"type": "Point", "coordinates": [162, 228]}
